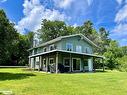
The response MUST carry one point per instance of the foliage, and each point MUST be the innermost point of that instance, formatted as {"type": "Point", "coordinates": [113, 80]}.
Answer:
{"type": "Point", "coordinates": [13, 46]}
{"type": "Point", "coordinates": [8, 37]}
{"type": "Point", "coordinates": [53, 29]}
{"type": "Point", "coordinates": [112, 53]}
{"type": "Point", "coordinates": [122, 63]}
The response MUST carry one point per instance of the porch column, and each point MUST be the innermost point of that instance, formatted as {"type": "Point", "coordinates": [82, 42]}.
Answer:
{"type": "Point", "coordinates": [34, 62]}
{"type": "Point", "coordinates": [47, 64]}
{"type": "Point", "coordinates": [56, 62]}
{"type": "Point", "coordinates": [70, 63]}
{"type": "Point", "coordinates": [90, 64]}
{"type": "Point", "coordinates": [29, 62]}
{"type": "Point", "coordinates": [94, 67]}
{"type": "Point", "coordinates": [40, 61]}
{"type": "Point", "coordinates": [103, 64]}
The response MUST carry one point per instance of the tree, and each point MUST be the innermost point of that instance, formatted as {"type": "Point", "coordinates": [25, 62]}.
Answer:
{"type": "Point", "coordinates": [8, 36]}
{"type": "Point", "coordinates": [53, 29]}
{"type": "Point", "coordinates": [113, 52]}
{"type": "Point", "coordinates": [13, 46]}
{"type": "Point", "coordinates": [103, 40]}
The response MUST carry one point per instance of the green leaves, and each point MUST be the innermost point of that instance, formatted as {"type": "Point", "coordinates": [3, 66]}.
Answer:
{"type": "Point", "coordinates": [53, 29]}
{"type": "Point", "coordinates": [13, 46]}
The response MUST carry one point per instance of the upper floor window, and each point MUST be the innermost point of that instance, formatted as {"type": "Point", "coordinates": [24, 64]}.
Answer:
{"type": "Point", "coordinates": [52, 47]}
{"type": "Point", "coordinates": [78, 48]}
{"type": "Point", "coordinates": [69, 47]}
{"type": "Point", "coordinates": [44, 49]}
{"type": "Point", "coordinates": [86, 50]}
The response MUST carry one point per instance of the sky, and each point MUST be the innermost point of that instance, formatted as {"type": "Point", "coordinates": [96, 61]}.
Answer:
{"type": "Point", "coordinates": [28, 14]}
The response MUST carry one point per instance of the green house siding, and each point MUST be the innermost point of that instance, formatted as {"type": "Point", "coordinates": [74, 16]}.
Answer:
{"type": "Point", "coordinates": [76, 41]}
{"type": "Point", "coordinates": [74, 53]}
{"type": "Point", "coordinates": [61, 45]}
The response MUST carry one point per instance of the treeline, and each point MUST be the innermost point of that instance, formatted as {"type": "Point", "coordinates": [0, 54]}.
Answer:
{"type": "Point", "coordinates": [14, 46]}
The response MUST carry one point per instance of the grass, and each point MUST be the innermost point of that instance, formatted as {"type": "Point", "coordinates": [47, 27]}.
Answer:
{"type": "Point", "coordinates": [22, 82]}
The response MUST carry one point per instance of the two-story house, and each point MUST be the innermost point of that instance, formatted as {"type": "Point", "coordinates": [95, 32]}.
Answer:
{"type": "Point", "coordinates": [72, 53]}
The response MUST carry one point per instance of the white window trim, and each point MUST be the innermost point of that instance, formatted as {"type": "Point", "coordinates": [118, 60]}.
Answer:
{"type": "Point", "coordinates": [69, 63]}
{"type": "Point", "coordinates": [71, 45]}
{"type": "Point", "coordinates": [51, 46]}
{"type": "Point", "coordinates": [64, 61]}
{"type": "Point", "coordinates": [52, 59]}
{"type": "Point", "coordinates": [86, 48]}
{"type": "Point", "coordinates": [44, 49]}
{"type": "Point", "coordinates": [44, 66]}
{"type": "Point", "coordinates": [77, 46]}
{"type": "Point", "coordinates": [80, 64]}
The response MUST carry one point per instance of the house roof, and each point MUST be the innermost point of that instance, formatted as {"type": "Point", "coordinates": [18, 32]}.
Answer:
{"type": "Point", "coordinates": [86, 54]}
{"type": "Point", "coordinates": [63, 37]}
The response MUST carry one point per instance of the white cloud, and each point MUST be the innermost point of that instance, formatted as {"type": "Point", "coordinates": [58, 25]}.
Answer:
{"type": "Point", "coordinates": [119, 1]}
{"type": "Point", "coordinates": [67, 3]}
{"type": "Point", "coordinates": [34, 12]}
{"type": "Point", "coordinates": [2, 1]}
{"type": "Point", "coordinates": [75, 25]}
{"type": "Point", "coordinates": [121, 16]}
{"type": "Point", "coordinates": [89, 2]}
{"type": "Point", "coordinates": [120, 30]}
{"type": "Point", "coordinates": [120, 33]}
{"type": "Point", "coordinates": [63, 3]}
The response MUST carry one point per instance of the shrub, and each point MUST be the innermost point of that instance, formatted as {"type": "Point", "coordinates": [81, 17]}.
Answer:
{"type": "Point", "coordinates": [122, 63]}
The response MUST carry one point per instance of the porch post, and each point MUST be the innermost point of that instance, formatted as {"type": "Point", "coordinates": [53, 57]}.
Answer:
{"type": "Point", "coordinates": [56, 62]}
{"type": "Point", "coordinates": [94, 67]}
{"type": "Point", "coordinates": [47, 64]}
{"type": "Point", "coordinates": [70, 63]}
{"type": "Point", "coordinates": [34, 62]}
{"type": "Point", "coordinates": [40, 61]}
{"type": "Point", "coordinates": [90, 64]}
{"type": "Point", "coordinates": [29, 62]}
{"type": "Point", "coordinates": [103, 64]}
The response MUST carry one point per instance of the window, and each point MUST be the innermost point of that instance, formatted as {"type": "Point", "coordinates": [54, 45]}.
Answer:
{"type": "Point", "coordinates": [44, 63]}
{"type": "Point", "coordinates": [86, 50]}
{"type": "Point", "coordinates": [51, 60]}
{"type": "Point", "coordinates": [69, 47]}
{"type": "Point", "coordinates": [51, 47]}
{"type": "Point", "coordinates": [78, 49]}
{"type": "Point", "coordinates": [44, 49]}
{"type": "Point", "coordinates": [67, 62]}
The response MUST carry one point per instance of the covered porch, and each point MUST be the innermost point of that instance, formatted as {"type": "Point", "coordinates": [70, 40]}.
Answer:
{"type": "Point", "coordinates": [59, 61]}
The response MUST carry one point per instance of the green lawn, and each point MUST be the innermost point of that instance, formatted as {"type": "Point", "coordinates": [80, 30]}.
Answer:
{"type": "Point", "coordinates": [23, 82]}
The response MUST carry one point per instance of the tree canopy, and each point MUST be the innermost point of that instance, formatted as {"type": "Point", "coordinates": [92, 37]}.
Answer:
{"type": "Point", "coordinates": [13, 46]}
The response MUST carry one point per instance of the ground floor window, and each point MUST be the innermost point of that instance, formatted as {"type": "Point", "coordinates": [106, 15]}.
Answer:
{"type": "Point", "coordinates": [44, 62]}
{"type": "Point", "coordinates": [52, 66]}
{"type": "Point", "coordinates": [76, 64]}
{"type": "Point", "coordinates": [51, 60]}
{"type": "Point", "coordinates": [67, 64]}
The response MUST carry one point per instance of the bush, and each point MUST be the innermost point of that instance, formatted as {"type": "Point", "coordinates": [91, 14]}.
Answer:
{"type": "Point", "coordinates": [122, 63]}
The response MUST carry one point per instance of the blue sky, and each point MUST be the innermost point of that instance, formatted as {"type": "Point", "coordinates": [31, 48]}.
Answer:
{"type": "Point", "coordinates": [111, 14]}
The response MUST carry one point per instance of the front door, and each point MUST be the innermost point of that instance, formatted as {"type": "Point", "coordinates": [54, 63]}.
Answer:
{"type": "Point", "coordinates": [76, 64]}
{"type": "Point", "coordinates": [66, 64]}
{"type": "Point", "coordinates": [44, 65]}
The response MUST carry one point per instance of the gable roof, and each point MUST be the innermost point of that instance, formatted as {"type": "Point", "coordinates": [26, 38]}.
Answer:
{"type": "Point", "coordinates": [63, 37]}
